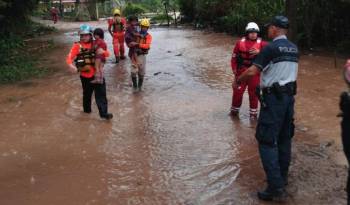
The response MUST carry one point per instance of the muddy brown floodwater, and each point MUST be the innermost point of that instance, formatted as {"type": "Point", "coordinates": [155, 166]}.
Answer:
{"type": "Point", "coordinates": [173, 143]}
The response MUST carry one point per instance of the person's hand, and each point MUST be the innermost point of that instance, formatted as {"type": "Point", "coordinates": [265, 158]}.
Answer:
{"type": "Point", "coordinates": [73, 68]}
{"type": "Point", "coordinates": [347, 63]}
{"type": "Point", "coordinates": [347, 72]}
{"type": "Point", "coordinates": [133, 44]}
{"type": "Point", "coordinates": [235, 84]}
{"type": "Point", "coordinates": [254, 51]}
{"type": "Point", "coordinates": [137, 34]}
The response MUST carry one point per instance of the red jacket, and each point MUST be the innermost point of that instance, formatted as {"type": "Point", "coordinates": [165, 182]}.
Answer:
{"type": "Point", "coordinates": [241, 58]}
{"type": "Point", "coordinates": [116, 27]}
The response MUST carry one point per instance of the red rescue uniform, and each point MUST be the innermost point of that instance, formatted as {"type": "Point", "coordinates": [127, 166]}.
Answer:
{"type": "Point", "coordinates": [240, 62]}
{"type": "Point", "coordinates": [118, 30]}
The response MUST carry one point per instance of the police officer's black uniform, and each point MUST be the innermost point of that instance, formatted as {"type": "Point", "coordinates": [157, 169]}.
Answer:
{"type": "Point", "coordinates": [345, 125]}
{"type": "Point", "coordinates": [278, 63]}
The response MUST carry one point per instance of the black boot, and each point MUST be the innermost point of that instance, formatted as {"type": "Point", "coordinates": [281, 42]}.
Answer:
{"type": "Point", "coordinates": [140, 82]}
{"type": "Point", "coordinates": [117, 59]}
{"type": "Point", "coordinates": [134, 82]}
{"type": "Point", "coordinates": [107, 116]}
{"type": "Point", "coordinates": [278, 195]}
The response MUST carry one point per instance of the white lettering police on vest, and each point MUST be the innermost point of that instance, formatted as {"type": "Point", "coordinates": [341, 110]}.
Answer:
{"type": "Point", "coordinates": [288, 50]}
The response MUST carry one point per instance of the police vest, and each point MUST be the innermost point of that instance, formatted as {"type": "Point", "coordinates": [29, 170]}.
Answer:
{"type": "Point", "coordinates": [85, 60]}
{"type": "Point", "coordinates": [244, 57]}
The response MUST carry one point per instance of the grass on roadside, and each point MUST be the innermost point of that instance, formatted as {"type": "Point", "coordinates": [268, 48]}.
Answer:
{"type": "Point", "coordinates": [18, 61]}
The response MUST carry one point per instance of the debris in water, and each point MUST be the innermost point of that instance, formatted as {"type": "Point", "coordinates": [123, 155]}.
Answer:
{"type": "Point", "coordinates": [32, 180]}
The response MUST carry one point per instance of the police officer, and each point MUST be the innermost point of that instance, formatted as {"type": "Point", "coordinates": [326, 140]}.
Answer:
{"type": "Point", "coordinates": [345, 108]}
{"type": "Point", "coordinates": [278, 64]}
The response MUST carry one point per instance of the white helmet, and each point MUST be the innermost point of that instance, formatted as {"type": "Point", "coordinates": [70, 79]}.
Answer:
{"type": "Point", "coordinates": [252, 27]}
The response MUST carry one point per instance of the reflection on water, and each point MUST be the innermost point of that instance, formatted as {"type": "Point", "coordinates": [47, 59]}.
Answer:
{"type": "Point", "coordinates": [173, 143]}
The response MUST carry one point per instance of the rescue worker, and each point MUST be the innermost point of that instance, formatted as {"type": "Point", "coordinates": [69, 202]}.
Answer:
{"type": "Point", "coordinates": [345, 109]}
{"type": "Point", "coordinates": [116, 27]}
{"type": "Point", "coordinates": [54, 14]}
{"type": "Point", "coordinates": [278, 64]}
{"type": "Point", "coordinates": [139, 44]}
{"type": "Point", "coordinates": [81, 59]}
{"type": "Point", "coordinates": [243, 54]}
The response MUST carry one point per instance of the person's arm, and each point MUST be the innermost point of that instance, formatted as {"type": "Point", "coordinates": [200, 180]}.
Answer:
{"type": "Point", "coordinates": [264, 44]}
{"type": "Point", "coordinates": [259, 63]}
{"type": "Point", "coordinates": [71, 56]}
{"type": "Point", "coordinates": [147, 44]}
{"type": "Point", "coordinates": [123, 21]}
{"type": "Point", "coordinates": [110, 23]}
{"type": "Point", "coordinates": [235, 54]}
{"type": "Point", "coordinates": [250, 72]}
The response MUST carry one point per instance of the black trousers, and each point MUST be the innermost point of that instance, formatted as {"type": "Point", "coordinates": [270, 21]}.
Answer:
{"type": "Point", "coordinates": [100, 95]}
{"type": "Point", "coordinates": [274, 133]}
{"type": "Point", "coordinates": [345, 125]}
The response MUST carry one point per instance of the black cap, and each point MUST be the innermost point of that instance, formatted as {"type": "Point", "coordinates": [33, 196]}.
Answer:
{"type": "Point", "coordinates": [279, 21]}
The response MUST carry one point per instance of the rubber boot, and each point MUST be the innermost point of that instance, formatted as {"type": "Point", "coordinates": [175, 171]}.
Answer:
{"type": "Point", "coordinates": [140, 82]}
{"type": "Point", "coordinates": [134, 82]}
{"type": "Point", "coordinates": [278, 195]}
{"type": "Point", "coordinates": [117, 59]}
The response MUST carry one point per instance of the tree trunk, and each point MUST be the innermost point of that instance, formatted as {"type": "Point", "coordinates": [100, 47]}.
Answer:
{"type": "Point", "coordinates": [291, 12]}
{"type": "Point", "coordinates": [92, 6]}
{"type": "Point", "coordinates": [175, 18]}
{"type": "Point", "coordinates": [61, 8]}
{"type": "Point", "coordinates": [167, 13]}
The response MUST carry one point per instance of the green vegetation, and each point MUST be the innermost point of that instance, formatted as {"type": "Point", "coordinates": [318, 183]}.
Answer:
{"type": "Point", "coordinates": [16, 59]}
{"type": "Point", "coordinates": [134, 9]}
{"type": "Point", "coordinates": [313, 22]}
{"type": "Point", "coordinates": [17, 63]}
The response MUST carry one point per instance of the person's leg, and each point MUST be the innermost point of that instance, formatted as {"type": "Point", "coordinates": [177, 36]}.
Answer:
{"type": "Point", "coordinates": [142, 69]}
{"type": "Point", "coordinates": [237, 98]}
{"type": "Point", "coordinates": [237, 95]}
{"type": "Point", "coordinates": [116, 47]}
{"type": "Point", "coordinates": [285, 138]}
{"type": "Point", "coordinates": [267, 132]}
{"type": "Point", "coordinates": [101, 98]}
{"type": "Point", "coordinates": [134, 70]}
{"type": "Point", "coordinates": [100, 58]}
{"type": "Point", "coordinates": [253, 98]}
{"type": "Point", "coordinates": [121, 39]}
{"type": "Point", "coordinates": [87, 93]}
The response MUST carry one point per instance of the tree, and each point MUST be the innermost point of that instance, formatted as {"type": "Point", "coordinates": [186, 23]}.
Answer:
{"type": "Point", "coordinates": [166, 6]}
{"type": "Point", "coordinates": [15, 12]}
{"type": "Point", "coordinates": [291, 12]}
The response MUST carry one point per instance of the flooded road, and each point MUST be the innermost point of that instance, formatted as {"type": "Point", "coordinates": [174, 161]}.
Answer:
{"type": "Point", "coordinates": [172, 143]}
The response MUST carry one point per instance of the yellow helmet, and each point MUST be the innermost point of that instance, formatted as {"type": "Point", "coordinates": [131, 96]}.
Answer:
{"type": "Point", "coordinates": [116, 12]}
{"type": "Point", "coordinates": [145, 23]}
